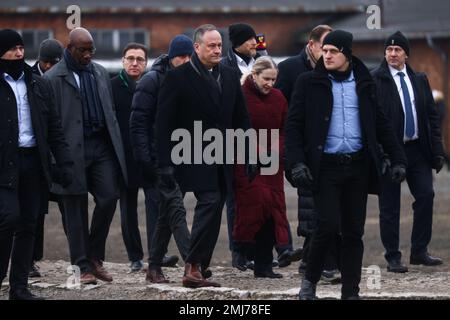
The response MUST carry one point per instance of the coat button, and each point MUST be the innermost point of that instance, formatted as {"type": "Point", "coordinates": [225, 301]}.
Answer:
{"type": "Point", "coordinates": [9, 120]}
{"type": "Point", "coordinates": [327, 119]}
{"type": "Point", "coordinates": [319, 147]}
{"type": "Point", "coordinates": [10, 163]}
{"type": "Point", "coordinates": [10, 184]}
{"type": "Point", "coordinates": [10, 141]}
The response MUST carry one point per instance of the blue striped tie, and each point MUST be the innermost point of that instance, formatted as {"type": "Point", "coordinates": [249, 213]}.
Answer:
{"type": "Point", "coordinates": [409, 118]}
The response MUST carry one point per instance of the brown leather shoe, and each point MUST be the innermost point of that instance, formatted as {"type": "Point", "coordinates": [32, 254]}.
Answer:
{"type": "Point", "coordinates": [192, 277]}
{"type": "Point", "coordinates": [155, 275]}
{"type": "Point", "coordinates": [100, 272]}
{"type": "Point", "coordinates": [88, 278]}
{"type": "Point", "coordinates": [207, 283]}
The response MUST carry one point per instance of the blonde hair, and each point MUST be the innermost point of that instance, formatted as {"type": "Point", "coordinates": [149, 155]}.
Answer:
{"type": "Point", "coordinates": [261, 64]}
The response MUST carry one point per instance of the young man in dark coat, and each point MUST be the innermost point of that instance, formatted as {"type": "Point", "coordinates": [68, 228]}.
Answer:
{"type": "Point", "coordinates": [50, 53]}
{"type": "Point", "coordinates": [172, 214]}
{"type": "Point", "coordinates": [290, 69]}
{"type": "Point", "coordinates": [206, 91]}
{"type": "Point", "coordinates": [333, 131]}
{"type": "Point", "coordinates": [407, 101]}
{"type": "Point", "coordinates": [30, 129]}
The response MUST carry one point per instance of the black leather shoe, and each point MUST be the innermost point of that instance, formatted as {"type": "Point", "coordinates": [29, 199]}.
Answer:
{"type": "Point", "coordinates": [331, 276]}
{"type": "Point", "coordinates": [23, 294]}
{"type": "Point", "coordinates": [425, 259]}
{"type": "Point", "coordinates": [238, 260]}
{"type": "Point", "coordinates": [396, 266]}
{"type": "Point", "coordinates": [250, 265]}
{"type": "Point", "coordinates": [169, 261]}
{"type": "Point", "coordinates": [136, 266]}
{"type": "Point", "coordinates": [34, 271]}
{"type": "Point", "coordinates": [307, 290]}
{"type": "Point", "coordinates": [302, 268]}
{"type": "Point", "coordinates": [268, 273]}
{"type": "Point", "coordinates": [288, 256]}
{"type": "Point", "coordinates": [206, 272]}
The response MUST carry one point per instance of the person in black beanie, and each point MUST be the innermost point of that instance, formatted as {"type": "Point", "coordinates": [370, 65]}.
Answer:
{"type": "Point", "coordinates": [407, 100]}
{"type": "Point", "coordinates": [50, 53]}
{"type": "Point", "coordinates": [25, 164]}
{"type": "Point", "coordinates": [333, 131]}
{"type": "Point", "coordinates": [242, 54]}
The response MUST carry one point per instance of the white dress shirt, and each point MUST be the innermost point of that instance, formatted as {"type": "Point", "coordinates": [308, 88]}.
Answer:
{"type": "Point", "coordinates": [26, 133]}
{"type": "Point", "coordinates": [243, 66]}
{"type": "Point", "coordinates": [396, 77]}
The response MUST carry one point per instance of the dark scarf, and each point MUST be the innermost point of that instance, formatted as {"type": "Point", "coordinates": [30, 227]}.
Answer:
{"type": "Point", "coordinates": [243, 57]}
{"type": "Point", "coordinates": [14, 68]}
{"type": "Point", "coordinates": [212, 79]}
{"type": "Point", "coordinates": [340, 76]}
{"type": "Point", "coordinates": [94, 120]}
{"type": "Point", "coordinates": [127, 80]}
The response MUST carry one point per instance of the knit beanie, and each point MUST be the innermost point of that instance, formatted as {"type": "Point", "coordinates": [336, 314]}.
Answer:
{"type": "Point", "coordinates": [51, 50]}
{"type": "Point", "coordinates": [397, 39]}
{"type": "Point", "coordinates": [180, 45]}
{"type": "Point", "coordinates": [239, 33]}
{"type": "Point", "coordinates": [341, 40]}
{"type": "Point", "coordinates": [9, 39]}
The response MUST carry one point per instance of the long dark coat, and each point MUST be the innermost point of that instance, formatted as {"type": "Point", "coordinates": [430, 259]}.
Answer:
{"type": "Point", "coordinates": [264, 197]}
{"type": "Point", "coordinates": [427, 114]}
{"type": "Point", "coordinates": [309, 117]}
{"type": "Point", "coordinates": [183, 99]}
{"type": "Point", "coordinates": [46, 126]}
{"type": "Point", "coordinates": [68, 102]}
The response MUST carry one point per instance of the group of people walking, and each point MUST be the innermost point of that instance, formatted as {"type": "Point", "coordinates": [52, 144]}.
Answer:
{"type": "Point", "coordinates": [68, 130]}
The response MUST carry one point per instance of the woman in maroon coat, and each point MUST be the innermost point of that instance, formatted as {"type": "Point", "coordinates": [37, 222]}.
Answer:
{"type": "Point", "coordinates": [260, 205]}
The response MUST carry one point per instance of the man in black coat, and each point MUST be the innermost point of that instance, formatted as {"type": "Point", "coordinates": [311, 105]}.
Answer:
{"type": "Point", "coordinates": [172, 214]}
{"type": "Point", "coordinates": [30, 128]}
{"type": "Point", "coordinates": [50, 53]}
{"type": "Point", "coordinates": [407, 100]}
{"type": "Point", "coordinates": [289, 70]}
{"type": "Point", "coordinates": [200, 91]}
{"type": "Point", "coordinates": [333, 131]}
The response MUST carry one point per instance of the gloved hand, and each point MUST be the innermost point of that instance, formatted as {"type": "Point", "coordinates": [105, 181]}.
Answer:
{"type": "Point", "coordinates": [398, 173]}
{"type": "Point", "coordinates": [438, 163]}
{"type": "Point", "coordinates": [251, 171]}
{"type": "Point", "coordinates": [385, 166]}
{"type": "Point", "coordinates": [66, 174]}
{"type": "Point", "coordinates": [150, 172]}
{"type": "Point", "coordinates": [166, 175]}
{"type": "Point", "coordinates": [301, 176]}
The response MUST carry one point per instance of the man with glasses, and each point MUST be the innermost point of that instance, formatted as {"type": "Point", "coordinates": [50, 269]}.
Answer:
{"type": "Point", "coordinates": [84, 97]}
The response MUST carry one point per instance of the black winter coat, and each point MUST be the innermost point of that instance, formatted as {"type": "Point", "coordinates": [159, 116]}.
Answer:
{"type": "Point", "coordinates": [288, 72]}
{"type": "Point", "coordinates": [183, 99]}
{"type": "Point", "coordinates": [143, 111]}
{"type": "Point", "coordinates": [123, 96]}
{"type": "Point", "coordinates": [309, 118]}
{"type": "Point", "coordinates": [427, 114]}
{"type": "Point", "coordinates": [46, 126]}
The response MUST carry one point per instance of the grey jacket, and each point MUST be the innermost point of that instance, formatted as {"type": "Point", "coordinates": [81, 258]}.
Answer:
{"type": "Point", "coordinates": [68, 103]}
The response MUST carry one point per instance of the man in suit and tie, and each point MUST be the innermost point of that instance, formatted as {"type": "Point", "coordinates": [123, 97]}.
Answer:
{"type": "Point", "coordinates": [407, 100]}
{"type": "Point", "coordinates": [201, 90]}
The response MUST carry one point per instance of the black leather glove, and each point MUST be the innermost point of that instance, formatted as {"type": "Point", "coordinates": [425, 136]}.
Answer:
{"type": "Point", "coordinates": [251, 171]}
{"type": "Point", "coordinates": [166, 175]}
{"type": "Point", "coordinates": [438, 163]}
{"type": "Point", "coordinates": [301, 176]}
{"type": "Point", "coordinates": [398, 173]}
{"type": "Point", "coordinates": [66, 175]}
{"type": "Point", "coordinates": [150, 172]}
{"type": "Point", "coordinates": [385, 166]}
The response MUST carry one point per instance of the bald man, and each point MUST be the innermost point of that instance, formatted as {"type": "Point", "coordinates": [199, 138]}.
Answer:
{"type": "Point", "coordinates": [84, 98]}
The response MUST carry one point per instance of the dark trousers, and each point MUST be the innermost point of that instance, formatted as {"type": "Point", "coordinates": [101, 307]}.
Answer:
{"type": "Point", "coordinates": [19, 210]}
{"type": "Point", "coordinates": [264, 242]}
{"type": "Point", "coordinates": [332, 259]}
{"type": "Point", "coordinates": [171, 220]}
{"type": "Point", "coordinates": [420, 182]}
{"type": "Point", "coordinates": [341, 201]}
{"type": "Point", "coordinates": [130, 224]}
{"type": "Point", "coordinates": [206, 225]}
{"type": "Point", "coordinates": [38, 250]}
{"type": "Point", "coordinates": [102, 175]}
